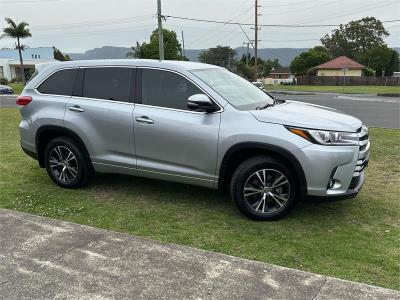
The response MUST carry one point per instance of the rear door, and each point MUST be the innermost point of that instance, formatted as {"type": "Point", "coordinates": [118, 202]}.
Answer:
{"type": "Point", "coordinates": [100, 112]}
{"type": "Point", "coordinates": [173, 142]}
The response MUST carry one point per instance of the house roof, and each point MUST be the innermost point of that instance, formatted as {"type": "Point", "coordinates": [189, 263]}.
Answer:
{"type": "Point", "coordinates": [282, 70]}
{"type": "Point", "coordinates": [341, 62]}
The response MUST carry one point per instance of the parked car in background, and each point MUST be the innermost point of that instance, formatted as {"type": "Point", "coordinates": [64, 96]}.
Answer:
{"type": "Point", "coordinates": [260, 85]}
{"type": "Point", "coordinates": [190, 123]}
{"type": "Point", "coordinates": [4, 89]}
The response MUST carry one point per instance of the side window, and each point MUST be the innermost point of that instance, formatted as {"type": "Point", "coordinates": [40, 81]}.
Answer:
{"type": "Point", "coordinates": [60, 83]}
{"type": "Point", "coordinates": [108, 83]}
{"type": "Point", "coordinates": [166, 89]}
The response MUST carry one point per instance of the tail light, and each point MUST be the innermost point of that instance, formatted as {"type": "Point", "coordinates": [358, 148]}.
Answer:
{"type": "Point", "coordinates": [23, 100]}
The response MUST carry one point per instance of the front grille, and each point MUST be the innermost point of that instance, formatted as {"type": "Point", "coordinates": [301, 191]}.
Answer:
{"type": "Point", "coordinates": [363, 155]}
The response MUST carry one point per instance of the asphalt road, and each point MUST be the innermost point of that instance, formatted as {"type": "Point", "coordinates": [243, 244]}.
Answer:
{"type": "Point", "coordinates": [372, 110]}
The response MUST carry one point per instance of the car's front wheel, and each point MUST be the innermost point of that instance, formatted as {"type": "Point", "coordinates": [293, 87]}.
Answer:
{"type": "Point", "coordinates": [66, 164]}
{"type": "Point", "coordinates": [264, 188]}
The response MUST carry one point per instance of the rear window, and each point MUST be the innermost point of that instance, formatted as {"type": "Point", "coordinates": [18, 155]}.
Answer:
{"type": "Point", "coordinates": [108, 83]}
{"type": "Point", "coordinates": [60, 83]}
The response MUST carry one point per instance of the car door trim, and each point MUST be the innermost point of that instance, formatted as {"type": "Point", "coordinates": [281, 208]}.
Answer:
{"type": "Point", "coordinates": [156, 172]}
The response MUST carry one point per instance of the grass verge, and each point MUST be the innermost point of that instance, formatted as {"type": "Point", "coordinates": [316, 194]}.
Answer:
{"type": "Point", "coordinates": [355, 239]}
{"type": "Point", "coordinates": [367, 89]}
{"type": "Point", "coordinates": [17, 87]}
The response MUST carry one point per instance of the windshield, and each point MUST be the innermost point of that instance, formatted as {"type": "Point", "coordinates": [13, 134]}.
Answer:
{"type": "Point", "coordinates": [240, 93]}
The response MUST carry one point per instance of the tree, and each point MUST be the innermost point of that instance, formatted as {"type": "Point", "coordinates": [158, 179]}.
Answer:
{"type": "Point", "coordinates": [381, 59]}
{"type": "Point", "coordinates": [268, 65]}
{"type": "Point", "coordinates": [137, 52]}
{"type": "Point", "coordinates": [302, 63]}
{"type": "Point", "coordinates": [17, 31]}
{"type": "Point", "coordinates": [243, 70]}
{"type": "Point", "coordinates": [355, 38]}
{"type": "Point", "coordinates": [223, 56]}
{"type": "Point", "coordinates": [172, 47]}
{"type": "Point", "coordinates": [58, 55]}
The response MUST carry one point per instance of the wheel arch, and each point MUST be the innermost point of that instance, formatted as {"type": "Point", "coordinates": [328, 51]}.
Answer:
{"type": "Point", "coordinates": [241, 151]}
{"type": "Point", "coordinates": [48, 132]}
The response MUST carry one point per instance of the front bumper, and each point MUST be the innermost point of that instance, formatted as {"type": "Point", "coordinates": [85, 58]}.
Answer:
{"type": "Point", "coordinates": [335, 172]}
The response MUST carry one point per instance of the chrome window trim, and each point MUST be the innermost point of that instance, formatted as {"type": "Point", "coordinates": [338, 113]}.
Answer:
{"type": "Point", "coordinates": [103, 100]}
{"type": "Point", "coordinates": [221, 109]}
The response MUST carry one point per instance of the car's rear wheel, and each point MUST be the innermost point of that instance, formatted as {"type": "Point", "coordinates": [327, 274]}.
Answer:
{"type": "Point", "coordinates": [264, 188]}
{"type": "Point", "coordinates": [66, 164]}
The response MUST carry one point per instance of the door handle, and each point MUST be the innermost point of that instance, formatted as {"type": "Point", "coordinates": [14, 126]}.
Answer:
{"type": "Point", "coordinates": [144, 119]}
{"type": "Point", "coordinates": [76, 108]}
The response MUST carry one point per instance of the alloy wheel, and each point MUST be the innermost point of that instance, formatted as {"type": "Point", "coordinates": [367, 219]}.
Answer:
{"type": "Point", "coordinates": [63, 164]}
{"type": "Point", "coordinates": [266, 191]}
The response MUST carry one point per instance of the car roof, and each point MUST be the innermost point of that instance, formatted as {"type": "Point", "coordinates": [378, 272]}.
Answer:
{"type": "Point", "coordinates": [167, 64]}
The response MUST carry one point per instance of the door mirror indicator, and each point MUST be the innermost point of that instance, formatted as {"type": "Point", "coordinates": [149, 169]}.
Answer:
{"type": "Point", "coordinates": [201, 102]}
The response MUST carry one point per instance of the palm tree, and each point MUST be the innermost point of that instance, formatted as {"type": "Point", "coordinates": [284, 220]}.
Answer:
{"type": "Point", "coordinates": [137, 52]}
{"type": "Point", "coordinates": [18, 31]}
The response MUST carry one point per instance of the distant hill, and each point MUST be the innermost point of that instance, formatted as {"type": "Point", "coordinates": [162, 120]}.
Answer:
{"type": "Point", "coordinates": [105, 52]}
{"type": "Point", "coordinates": [285, 55]}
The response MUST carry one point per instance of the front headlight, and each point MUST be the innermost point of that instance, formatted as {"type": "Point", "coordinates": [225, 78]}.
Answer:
{"type": "Point", "coordinates": [325, 137]}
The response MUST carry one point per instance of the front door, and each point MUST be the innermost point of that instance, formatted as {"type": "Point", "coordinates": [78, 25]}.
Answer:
{"type": "Point", "coordinates": [173, 142]}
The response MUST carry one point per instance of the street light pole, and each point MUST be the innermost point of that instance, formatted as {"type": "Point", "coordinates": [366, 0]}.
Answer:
{"type": "Point", "coordinates": [160, 32]}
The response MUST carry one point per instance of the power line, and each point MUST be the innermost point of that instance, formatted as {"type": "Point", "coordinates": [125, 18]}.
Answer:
{"type": "Point", "coordinates": [248, 24]}
{"type": "Point", "coordinates": [215, 34]}
{"type": "Point", "coordinates": [105, 22]}
{"type": "Point", "coordinates": [259, 25]}
{"type": "Point", "coordinates": [348, 13]}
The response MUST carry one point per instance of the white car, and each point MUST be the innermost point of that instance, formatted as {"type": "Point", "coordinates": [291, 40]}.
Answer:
{"type": "Point", "coordinates": [260, 85]}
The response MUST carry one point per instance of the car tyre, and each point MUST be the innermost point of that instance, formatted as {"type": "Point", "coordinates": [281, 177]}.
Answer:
{"type": "Point", "coordinates": [264, 188]}
{"type": "Point", "coordinates": [66, 163]}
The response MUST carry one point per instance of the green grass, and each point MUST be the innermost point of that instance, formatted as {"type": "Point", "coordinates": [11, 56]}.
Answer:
{"type": "Point", "coordinates": [17, 87]}
{"type": "Point", "coordinates": [367, 89]}
{"type": "Point", "coordinates": [355, 239]}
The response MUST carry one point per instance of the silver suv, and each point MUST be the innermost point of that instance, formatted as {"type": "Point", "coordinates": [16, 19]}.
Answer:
{"type": "Point", "coordinates": [191, 123]}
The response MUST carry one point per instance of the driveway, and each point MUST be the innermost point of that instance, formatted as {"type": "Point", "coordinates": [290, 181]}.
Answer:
{"type": "Point", "coordinates": [373, 110]}
{"type": "Point", "coordinates": [45, 259]}
{"type": "Point", "coordinates": [8, 101]}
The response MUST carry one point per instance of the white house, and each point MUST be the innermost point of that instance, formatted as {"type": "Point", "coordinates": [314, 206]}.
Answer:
{"type": "Point", "coordinates": [10, 65]}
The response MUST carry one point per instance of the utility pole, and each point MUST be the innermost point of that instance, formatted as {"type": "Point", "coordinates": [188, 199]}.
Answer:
{"type": "Point", "coordinates": [160, 32]}
{"type": "Point", "coordinates": [183, 44]}
{"type": "Point", "coordinates": [247, 53]}
{"type": "Point", "coordinates": [255, 39]}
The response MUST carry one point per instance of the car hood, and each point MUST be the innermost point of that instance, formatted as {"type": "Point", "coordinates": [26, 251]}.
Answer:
{"type": "Point", "coordinates": [299, 114]}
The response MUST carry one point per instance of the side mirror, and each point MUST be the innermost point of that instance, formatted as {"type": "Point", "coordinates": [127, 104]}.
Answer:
{"type": "Point", "coordinates": [201, 102]}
